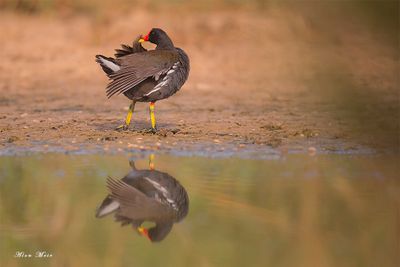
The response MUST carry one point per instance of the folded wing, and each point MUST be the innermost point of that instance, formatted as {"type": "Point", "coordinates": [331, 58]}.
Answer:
{"type": "Point", "coordinates": [137, 67]}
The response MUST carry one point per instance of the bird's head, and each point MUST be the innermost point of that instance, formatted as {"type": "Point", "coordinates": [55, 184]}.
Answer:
{"type": "Point", "coordinates": [158, 37]}
{"type": "Point", "coordinates": [156, 233]}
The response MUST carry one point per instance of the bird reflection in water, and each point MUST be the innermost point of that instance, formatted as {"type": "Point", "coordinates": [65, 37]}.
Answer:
{"type": "Point", "coordinates": [146, 195]}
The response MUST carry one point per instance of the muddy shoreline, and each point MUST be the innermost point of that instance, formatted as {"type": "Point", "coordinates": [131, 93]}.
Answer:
{"type": "Point", "coordinates": [294, 90]}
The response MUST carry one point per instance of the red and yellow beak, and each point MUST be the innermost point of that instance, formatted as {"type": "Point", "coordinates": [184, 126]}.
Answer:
{"type": "Point", "coordinates": [144, 39]}
{"type": "Point", "coordinates": [144, 232]}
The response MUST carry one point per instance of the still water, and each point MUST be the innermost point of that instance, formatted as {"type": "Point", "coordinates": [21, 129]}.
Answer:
{"type": "Point", "coordinates": [299, 210]}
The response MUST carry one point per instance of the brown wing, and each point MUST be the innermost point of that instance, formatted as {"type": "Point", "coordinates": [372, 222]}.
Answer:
{"type": "Point", "coordinates": [134, 204]}
{"type": "Point", "coordinates": [126, 49]}
{"type": "Point", "coordinates": [135, 68]}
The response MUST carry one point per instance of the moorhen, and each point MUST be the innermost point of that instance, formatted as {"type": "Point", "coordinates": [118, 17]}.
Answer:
{"type": "Point", "coordinates": [146, 76]}
{"type": "Point", "coordinates": [146, 195]}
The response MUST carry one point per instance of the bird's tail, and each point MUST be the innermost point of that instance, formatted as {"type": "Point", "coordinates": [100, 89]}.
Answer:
{"type": "Point", "coordinates": [108, 64]}
{"type": "Point", "coordinates": [107, 206]}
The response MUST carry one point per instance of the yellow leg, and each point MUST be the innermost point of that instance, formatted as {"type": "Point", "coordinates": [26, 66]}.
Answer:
{"type": "Point", "coordinates": [128, 117]}
{"type": "Point", "coordinates": [152, 117]}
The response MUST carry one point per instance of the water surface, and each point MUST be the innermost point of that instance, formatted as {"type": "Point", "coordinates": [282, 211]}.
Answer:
{"type": "Point", "coordinates": [298, 210]}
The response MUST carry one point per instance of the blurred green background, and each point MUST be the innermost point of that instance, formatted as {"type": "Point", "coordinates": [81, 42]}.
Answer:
{"type": "Point", "coordinates": [331, 210]}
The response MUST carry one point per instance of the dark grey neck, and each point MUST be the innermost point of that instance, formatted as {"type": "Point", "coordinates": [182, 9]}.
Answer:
{"type": "Point", "coordinates": [165, 44]}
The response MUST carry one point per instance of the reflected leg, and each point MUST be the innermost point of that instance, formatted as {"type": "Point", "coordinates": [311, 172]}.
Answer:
{"type": "Point", "coordinates": [151, 162]}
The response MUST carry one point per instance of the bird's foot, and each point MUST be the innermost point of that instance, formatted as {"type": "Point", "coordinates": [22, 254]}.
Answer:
{"type": "Point", "coordinates": [123, 127]}
{"type": "Point", "coordinates": [151, 130]}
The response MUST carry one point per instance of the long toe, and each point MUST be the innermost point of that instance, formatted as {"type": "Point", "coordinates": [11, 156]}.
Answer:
{"type": "Point", "coordinates": [123, 127]}
{"type": "Point", "coordinates": [150, 130]}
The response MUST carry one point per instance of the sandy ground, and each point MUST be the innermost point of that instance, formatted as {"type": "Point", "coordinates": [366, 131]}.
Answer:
{"type": "Point", "coordinates": [260, 80]}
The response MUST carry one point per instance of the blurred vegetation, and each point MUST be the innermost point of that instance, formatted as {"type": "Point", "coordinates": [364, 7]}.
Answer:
{"type": "Point", "coordinates": [300, 211]}
{"type": "Point", "coordinates": [376, 10]}
{"type": "Point", "coordinates": [93, 6]}
{"type": "Point", "coordinates": [379, 16]}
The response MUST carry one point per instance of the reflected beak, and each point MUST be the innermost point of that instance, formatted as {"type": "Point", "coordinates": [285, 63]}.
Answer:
{"type": "Point", "coordinates": [144, 232]}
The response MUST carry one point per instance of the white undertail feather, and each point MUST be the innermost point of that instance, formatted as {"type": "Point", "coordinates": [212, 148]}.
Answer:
{"type": "Point", "coordinates": [109, 64]}
{"type": "Point", "coordinates": [114, 205]}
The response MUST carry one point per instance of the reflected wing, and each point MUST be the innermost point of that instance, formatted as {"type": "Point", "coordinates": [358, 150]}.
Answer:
{"type": "Point", "coordinates": [135, 68]}
{"type": "Point", "coordinates": [134, 204]}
